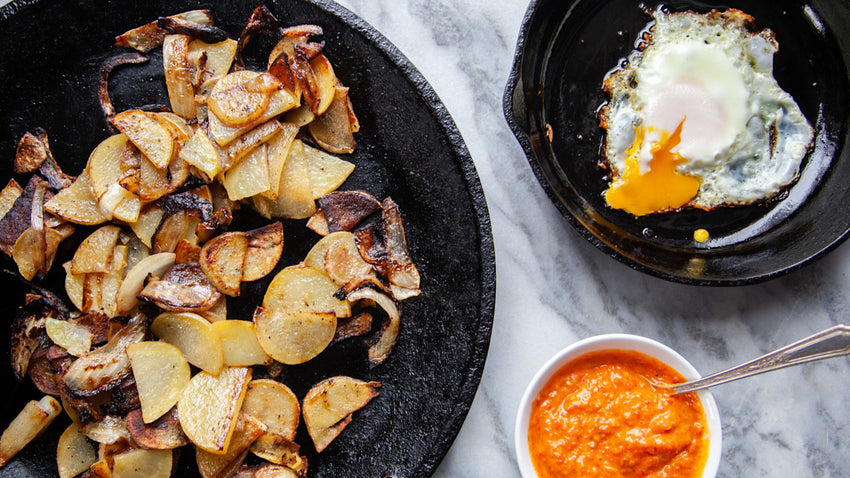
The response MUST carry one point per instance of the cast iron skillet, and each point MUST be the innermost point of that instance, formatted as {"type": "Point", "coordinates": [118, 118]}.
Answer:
{"type": "Point", "coordinates": [564, 51]}
{"type": "Point", "coordinates": [408, 148]}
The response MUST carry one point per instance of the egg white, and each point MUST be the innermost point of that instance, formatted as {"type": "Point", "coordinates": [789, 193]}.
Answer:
{"type": "Point", "coordinates": [743, 136]}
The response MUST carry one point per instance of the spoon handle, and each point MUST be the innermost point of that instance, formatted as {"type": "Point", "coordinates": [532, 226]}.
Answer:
{"type": "Point", "coordinates": [832, 342]}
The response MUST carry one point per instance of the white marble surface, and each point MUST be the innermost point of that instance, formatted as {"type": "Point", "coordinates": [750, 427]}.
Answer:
{"type": "Point", "coordinates": [554, 287]}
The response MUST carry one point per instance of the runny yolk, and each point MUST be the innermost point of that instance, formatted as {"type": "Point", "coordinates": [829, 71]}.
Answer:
{"type": "Point", "coordinates": [659, 189]}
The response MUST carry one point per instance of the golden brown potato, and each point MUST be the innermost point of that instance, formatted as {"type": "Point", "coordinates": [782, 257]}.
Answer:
{"type": "Point", "coordinates": [329, 405]}
{"type": "Point", "coordinates": [333, 130]}
{"type": "Point", "coordinates": [161, 374]}
{"type": "Point", "coordinates": [295, 193]}
{"type": "Point", "coordinates": [95, 252]}
{"type": "Point", "coordinates": [76, 203]}
{"type": "Point", "coordinates": [222, 259]}
{"type": "Point", "coordinates": [293, 336]}
{"type": "Point", "coordinates": [217, 465]}
{"type": "Point", "coordinates": [304, 288]}
{"type": "Point", "coordinates": [265, 245]}
{"type": "Point", "coordinates": [74, 453]}
{"type": "Point", "coordinates": [210, 405]}
{"type": "Point", "coordinates": [69, 335]}
{"type": "Point", "coordinates": [28, 424]}
{"type": "Point", "coordinates": [164, 433]}
{"type": "Point", "coordinates": [200, 152]}
{"type": "Point", "coordinates": [149, 135]}
{"type": "Point", "coordinates": [274, 404]}
{"type": "Point", "coordinates": [327, 172]}
{"type": "Point", "coordinates": [194, 336]}
{"type": "Point", "coordinates": [239, 343]}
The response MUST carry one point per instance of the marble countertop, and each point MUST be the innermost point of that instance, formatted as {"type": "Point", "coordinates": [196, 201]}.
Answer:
{"type": "Point", "coordinates": [555, 288]}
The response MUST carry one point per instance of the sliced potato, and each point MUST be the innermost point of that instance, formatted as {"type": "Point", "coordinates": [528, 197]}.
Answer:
{"type": "Point", "coordinates": [154, 265]}
{"type": "Point", "coordinates": [27, 425]}
{"type": "Point", "coordinates": [164, 433]}
{"type": "Point", "coordinates": [295, 193]}
{"type": "Point", "coordinates": [74, 453]}
{"type": "Point", "coordinates": [329, 405]}
{"type": "Point", "coordinates": [327, 172]}
{"type": "Point", "coordinates": [245, 102]}
{"type": "Point", "coordinates": [345, 209]}
{"type": "Point", "coordinates": [265, 246]}
{"type": "Point", "coordinates": [200, 152]}
{"type": "Point", "coordinates": [209, 407]}
{"type": "Point", "coordinates": [345, 257]}
{"type": "Point", "coordinates": [234, 152]}
{"type": "Point", "coordinates": [325, 80]}
{"type": "Point", "coordinates": [217, 465]}
{"type": "Point", "coordinates": [278, 150]}
{"type": "Point", "coordinates": [149, 135]}
{"type": "Point", "coordinates": [10, 193]}
{"type": "Point", "coordinates": [293, 336]}
{"type": "Point", "coordinates": [141, 463]}
{"type": "Point", "coordinates": [304, 288]}
{"type": "Point", "coordinates": [333, 130]}
{"type": "Point", "coordinates": [148, 222]}
{"type": "Point", "coordinates": [274, 404]}
{"type": "Point", "coordinates": [219, 55]}
{"type": "Point", "coordinates": [248, 177]}
{"type": "Point", "coordinates": [161, 374]}
{"type": "Point", "coordinates": [95, 252]}
{"type": "Point", "coordinates": [194, 336]}
{"type": "Point", "coordinates": [69, 335]}
{"type": "Point", "coordinates": [222, 259]}
{"type": "Point", "coordinates": [178, 75]}
{"type": "Point", "coordinates": [217, 312]}
{"type": "Point", "coordinates": [239, 343]}
{"type": "Point", "coordinates": [76, 203]}
{"type": "Point", "coordinates": [74, 286]}
{"type": "Point", "coordinates": [104, 165]}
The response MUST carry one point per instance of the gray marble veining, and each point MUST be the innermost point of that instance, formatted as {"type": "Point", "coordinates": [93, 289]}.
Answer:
{"type": "Point", "coordinates": [554, 287]}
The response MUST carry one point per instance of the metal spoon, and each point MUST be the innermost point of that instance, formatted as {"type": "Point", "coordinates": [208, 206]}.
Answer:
{"type": "Point", "coordinates": [832, 342]}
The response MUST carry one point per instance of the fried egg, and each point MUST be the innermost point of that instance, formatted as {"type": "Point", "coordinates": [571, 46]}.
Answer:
{"type": "Point", "coordinates": [696, 117]}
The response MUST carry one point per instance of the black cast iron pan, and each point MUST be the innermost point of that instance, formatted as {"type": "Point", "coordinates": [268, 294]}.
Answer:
{"type": "Point", "coordinates": [408, 148]}
{"type": "Point", "coordinates": [563, 53]}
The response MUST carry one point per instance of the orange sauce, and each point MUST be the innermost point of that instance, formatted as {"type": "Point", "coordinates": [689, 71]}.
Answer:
{"type": "Point", "coordinates": [599, 417]}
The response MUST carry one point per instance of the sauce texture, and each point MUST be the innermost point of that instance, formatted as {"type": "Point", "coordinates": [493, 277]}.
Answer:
{"type": "Point", "coordinates": [599, 417]}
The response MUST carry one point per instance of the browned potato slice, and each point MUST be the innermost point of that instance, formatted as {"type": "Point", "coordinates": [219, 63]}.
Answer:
{"type": "Point", "coordinates": [304, 288]}
{"type": "Point", "coordinates": [76, 203]}
{"type": "Point", "coordinates": [209, 407]}
{"type": "Point", "coordinates": [295, 193]}
{"type": "Point", "coordinates": [161, 374]}
{"type": "Point", "coordinates": [149, 135]}
{"type": "Point", "coordinates": [74, 453]}
{"type": "Point", "coordinates": [281, 451]}
{"type": "Point", "coordinates": [337, 254]}
{"type": "Point", "coordinates": [328, 406]}
{"type": "Point", "coordinates": [300, 116]}
{"type": "Point", "coordinates": [163, 433]}
{"type": "Point", "coordinates": [200, 152]}
{"type": "Point", "coordinates": [274, 404]}
{"type": "Point", "coordinates": [184, 288]}
{"type": "Point", "coordinates": [239, 343]}
{"type": "Point", "coordinates": [318, 223]}
{"type": "Point", "coordinates": [154, 265]}
{"type": "Point", "coordinates": [245, 102]}
{"type": "Point", "coordinates": [10, 193]}
{"type": "Point", "coordinates": [248, 177]}
{"type": "Point", "coordinates": [219, 55]}
{"type": "Point", "coordinates": [235, 151]}
{"type": "Point", "coordinates": [141, 463]}
{"type": "Point", "coordinates": [269, 470]}
{"type": "Point", "coordinates": [293, 336]}
{"type": "Point", "coordinates": [149, 219]}
{"type": "Point", "coordinates": [279, 102]}
{"type": "Point", "coordinates": [325, 80]}
{"type": "Point", "coordinates": [194, 336]}
{"type": "Point", "coordinates": [222, 259]}
{"type": "Point", "coordinates": [180, 130]}
{"type": "Point", "coordinates": [154, 183]}
{"type": "Point", "coordinates": [30, 422]}
{"type": "Point", "coordinates": [178, 75]}
{"type": "Point", "coordinates": [95, 252]}
{"type": "Point", "coordinates": [69, 335]}
{"type": "Point", "coordinates": [333, 130]}
{"type": "Point", "coordinates": [327, 172]}
{"type": "Point", "coordinates": [216, 465]}
{"type": "Point", "coordinates": [278, 150]}
{"type": "Point", "coordinates": [104, 164]}
{"type": "Point", "coordinates": [315, 258]}
{"type": "Point", "coordinates": [74, 285]}
{"type": "Point", "coordinates": [25, 251]}
{"type": "Point", "coordinates": [265, 245]}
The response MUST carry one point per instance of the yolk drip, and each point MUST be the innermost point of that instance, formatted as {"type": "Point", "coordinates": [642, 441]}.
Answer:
{"type": "Point", "coordinates": [659, 189]}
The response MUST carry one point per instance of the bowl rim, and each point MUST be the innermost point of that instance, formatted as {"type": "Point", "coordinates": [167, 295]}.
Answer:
{"type": "Point", "coordinates": [616, 341]}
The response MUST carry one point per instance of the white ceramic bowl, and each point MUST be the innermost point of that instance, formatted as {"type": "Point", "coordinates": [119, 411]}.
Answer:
{"type": "Point", "coordinates": [615, 342]}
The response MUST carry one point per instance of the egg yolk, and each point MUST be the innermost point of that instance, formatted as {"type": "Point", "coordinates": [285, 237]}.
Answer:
{"type": "Point", "coordinates": [660, 188]}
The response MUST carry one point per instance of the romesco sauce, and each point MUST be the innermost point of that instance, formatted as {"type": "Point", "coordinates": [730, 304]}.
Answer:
{"type": "Point", "coordinates": [598, 416]}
